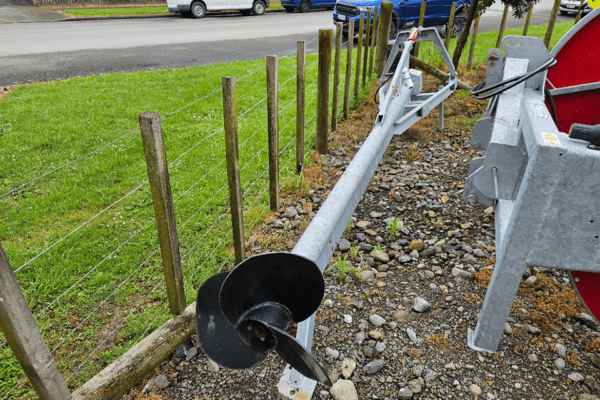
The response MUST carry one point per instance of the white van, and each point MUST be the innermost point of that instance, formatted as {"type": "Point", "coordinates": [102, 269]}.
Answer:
{"type": "Point", "coordinates": [198, 8]}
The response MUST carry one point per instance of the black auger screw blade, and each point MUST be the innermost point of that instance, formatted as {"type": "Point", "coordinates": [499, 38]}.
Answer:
{"type": "Point", "coordinates": [243, 314]}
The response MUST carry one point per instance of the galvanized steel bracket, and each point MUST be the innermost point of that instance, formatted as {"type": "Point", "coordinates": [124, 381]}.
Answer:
{"type": "Point", "coordinates": [542, 185]}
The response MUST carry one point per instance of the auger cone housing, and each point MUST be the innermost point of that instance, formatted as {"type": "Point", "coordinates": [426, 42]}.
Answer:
{"type": "Point", "coordinates": [243, 314]}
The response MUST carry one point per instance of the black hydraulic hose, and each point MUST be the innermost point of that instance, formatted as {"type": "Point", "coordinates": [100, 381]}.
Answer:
{"type": "Point", "coordinates": [548, 96]}
{"type": "Point", "coordinates": [511, 82]}
{"type": "Point", "coordinates": [375, 98]}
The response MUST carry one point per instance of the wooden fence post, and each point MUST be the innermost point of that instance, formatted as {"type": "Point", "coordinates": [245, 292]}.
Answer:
{"type": "Point", "coordinates": [300, 103]}
{"type": "Point", "coordinates": [162, 199]}
{"type": "Point", "coordinates": [383, 34]}
{"type": "Point", "coordinates": [551, 23]}
{"type": "Point", "coordinates": [273, 128]}
{"type": "Point", "coordinates": [502, 26]}
{"type": "Point", "coordinates": [233, 166]}
{"type": "Point", "coordinates": [25, 339]}
{"type": "Point", "coordinates": [325, 41]}
{"type": "Point", "coordinates": [366, 55]}
{"type": "Point", "coordinates": [348, 66]}
{"type": "Point", "coordinates": [579, 11]}
{"type": "Point", "coordinates": [450, 25]}
{"type": "Point", "coordinates": [373, 35]}
{"type": "Point", "coordinates": [361, 26]}
{"type": "Point", "coordinates": [420, 24]}
{"type": "Point", "coordinates": [336, 75]}
{"type": "Point", "coordinates": [473, 38]}
{"type": "Point", "coordinates": [528, 19]}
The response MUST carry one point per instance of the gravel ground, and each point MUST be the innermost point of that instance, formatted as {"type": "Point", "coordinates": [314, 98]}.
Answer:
{"type": "Point", "coordinates": [416, 261]}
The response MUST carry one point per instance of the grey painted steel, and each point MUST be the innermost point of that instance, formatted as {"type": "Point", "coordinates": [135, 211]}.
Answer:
{"type": "Point", "coordinates": [575, 89]}
{"type": "Point", "coordinates": [545, 201]}
{"type": "Point", "coordinates": [325, 230]}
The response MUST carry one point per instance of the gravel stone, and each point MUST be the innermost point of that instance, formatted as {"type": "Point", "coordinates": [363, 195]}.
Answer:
{"type": "Point", "coordinates": [374, 366]}
{"type": "Point", "coordinates": [348, 367]}
{"type": "Point", "coordinates": [559, 363]}
{"type": "Point", "coordinates": [344, 245]}
{"type": "Point", "coordinates": [161, 382]}
{"type": "Point", "coordinates": [376, 320]}
{"type": "Point", "coordinates": [575, 377]}
{"type": "Point", "coordinates": [561, 350]}
{"type": "Point", "coordinates": [416, 244]}
{"type": "Point", "coordinates": [401, 316]}
{"type": "Point", "coordinates": [420, 305]}
{"type": "Point", "coordinates": [405, 393]}
{"type": "Point", "coordinates": [344, 390]}
{"type": "Point", "coordinates": [460, 273]}
{"type": "Point", "coordinates": [411, 335]}
{"type": "Point", "coordinates": [212, 366]}
{"type": "Point", "coordinates": [332, 353]}
{"type": "Point", "coordinates": [381, 256]}
{"type": "Point", "coordinates": [475, 390]}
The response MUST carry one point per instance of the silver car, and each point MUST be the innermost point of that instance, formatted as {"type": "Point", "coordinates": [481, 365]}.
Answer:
{"type": "Point", "coordinates": [571, 7]}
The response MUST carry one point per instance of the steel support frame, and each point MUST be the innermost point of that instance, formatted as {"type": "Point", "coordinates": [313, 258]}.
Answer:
{"type": "Point", "coordinates": [542, 185]}
{"type": "Point", "coordinates": [401, 109]}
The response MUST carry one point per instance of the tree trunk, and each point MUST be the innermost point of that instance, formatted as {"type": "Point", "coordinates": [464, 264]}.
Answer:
{"type": "Point", "coordinates": [462, 40]}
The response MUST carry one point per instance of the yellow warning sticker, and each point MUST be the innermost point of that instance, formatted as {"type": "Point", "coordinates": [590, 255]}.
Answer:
{"type": "Point", "coordinates": [594, 3]}
{"type": "Point", "coordinates": [550, 139]}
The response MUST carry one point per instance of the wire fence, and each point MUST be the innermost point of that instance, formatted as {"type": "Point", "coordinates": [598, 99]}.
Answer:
{"type": "Point", "coordinates": [109, 295]}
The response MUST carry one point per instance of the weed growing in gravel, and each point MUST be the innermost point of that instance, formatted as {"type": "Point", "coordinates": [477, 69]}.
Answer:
{"type": "Point", "coordinates": [378, 247]}
{"type": "Point", "coordinates": [353, 252]}
{"type": "Point", "coordinates": [342, 269]}
{"type": "Point", "coordinates": [394, 227]}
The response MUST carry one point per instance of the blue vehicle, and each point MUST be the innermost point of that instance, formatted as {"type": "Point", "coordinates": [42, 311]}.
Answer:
{"type": "Point", "coordinates": [306, 5]}
{"type": "Point", "coordinates": [405, 13]}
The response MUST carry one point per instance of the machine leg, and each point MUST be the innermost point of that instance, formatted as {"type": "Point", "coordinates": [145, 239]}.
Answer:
{"type": "Point", "coordinates": [441, 109]}
{"type": "Point", "coordinates": [496, 306]}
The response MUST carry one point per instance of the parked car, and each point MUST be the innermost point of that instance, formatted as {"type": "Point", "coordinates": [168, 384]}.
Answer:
{"type": "Point", "coordinates": [198, 8]}
{"type": "Point", "coordinates": [306, 5]}
{"type": "Point", "coordinates": [572, 6]}
{"type": "Point", "coordinates": [405, 13]}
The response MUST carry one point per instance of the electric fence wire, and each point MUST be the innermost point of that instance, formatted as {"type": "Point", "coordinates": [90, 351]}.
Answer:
{"type": "Point", "coordinates": [79, 227]}
{"type": "Point", "coordinates": [14, 387]}
{"type": "Point", "coordinates": [143, 300]}
{"type": "Point", "coordinates": [67, 164]}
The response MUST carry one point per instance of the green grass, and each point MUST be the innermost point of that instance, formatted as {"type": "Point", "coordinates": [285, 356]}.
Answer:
{"type": "Point", "coordinates": [45, 126]}
{"type": "Point", "coordinates": [106, 12]}
{"type": "Point", "coordinates": [486, 41]}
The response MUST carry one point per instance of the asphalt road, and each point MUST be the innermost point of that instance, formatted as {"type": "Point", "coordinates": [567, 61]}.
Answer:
{"type": "Point", "coordinates": [43, 51]}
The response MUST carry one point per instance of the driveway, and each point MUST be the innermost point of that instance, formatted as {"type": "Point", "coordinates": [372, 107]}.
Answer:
{"type": "Point", "coordinates": [23, 11]}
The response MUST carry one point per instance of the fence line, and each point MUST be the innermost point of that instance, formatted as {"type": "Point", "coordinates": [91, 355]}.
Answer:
{"type": "Point", "coordinates": [248, 191]}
